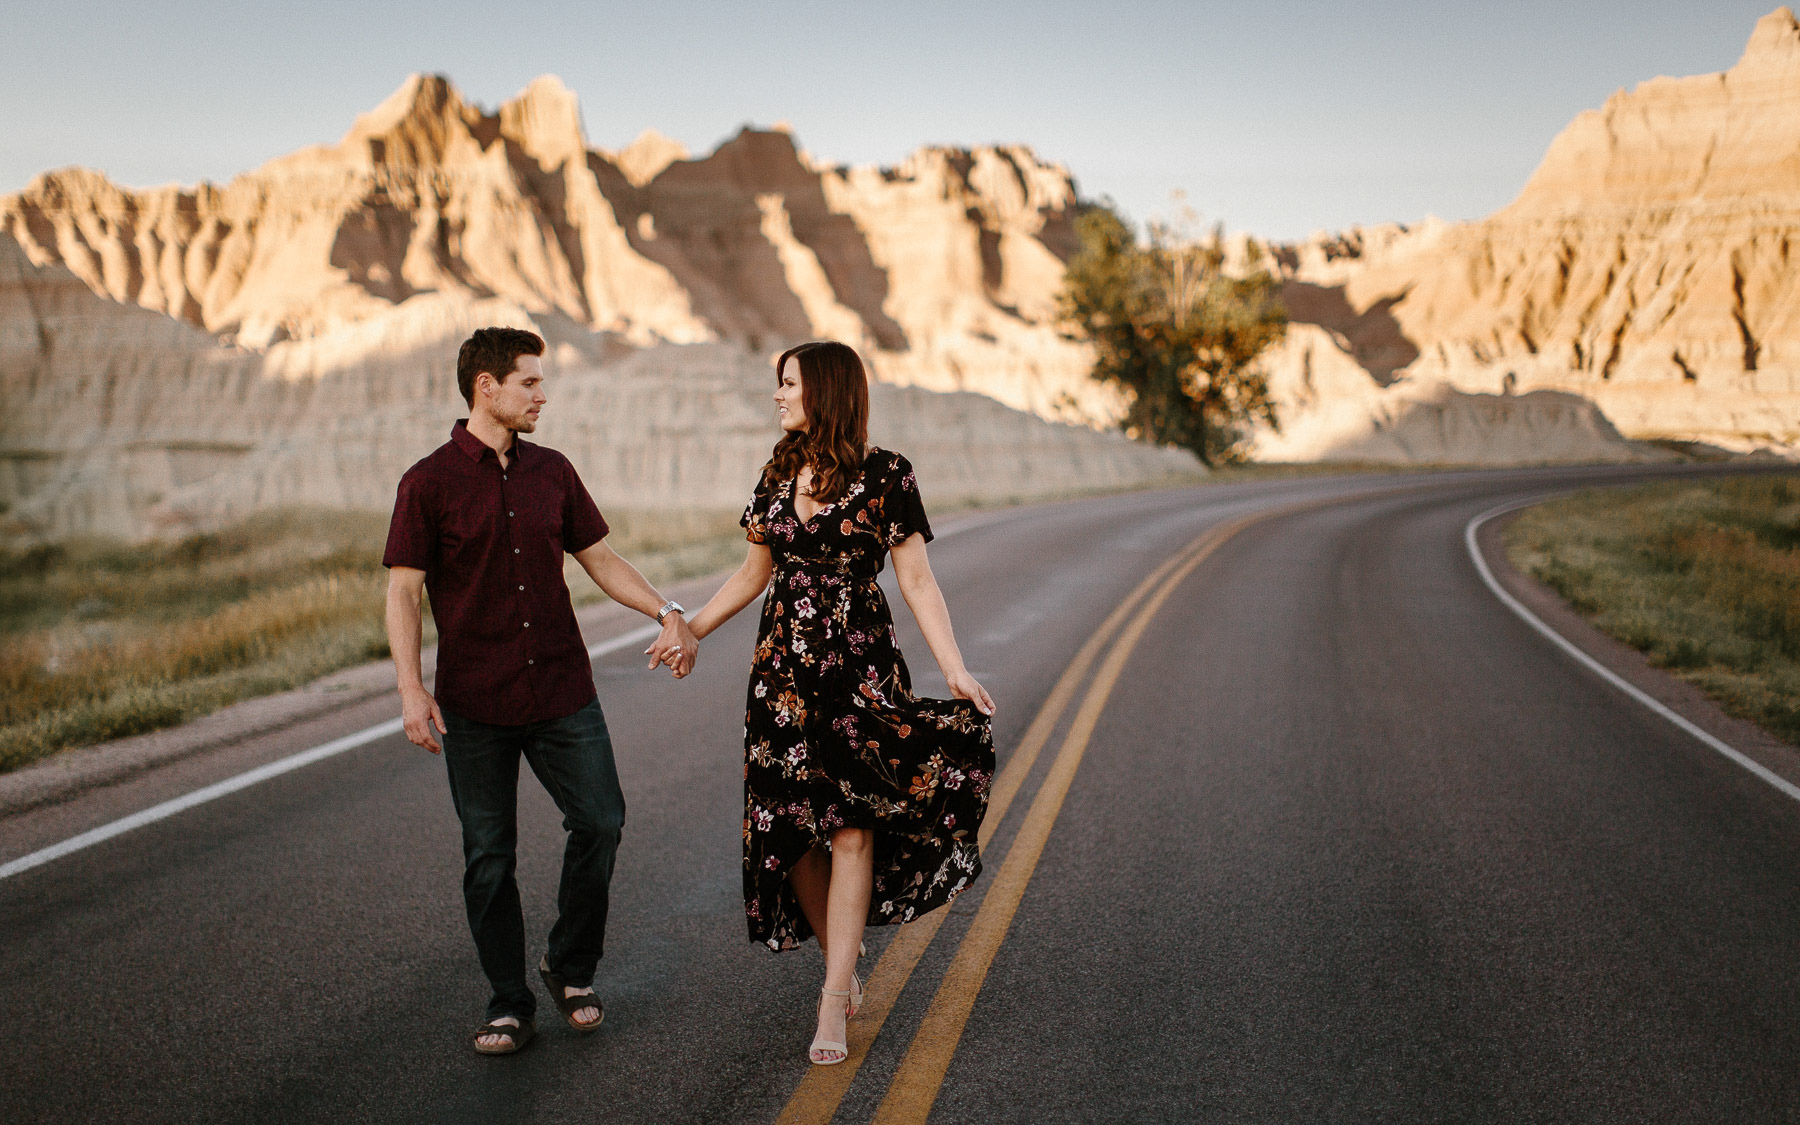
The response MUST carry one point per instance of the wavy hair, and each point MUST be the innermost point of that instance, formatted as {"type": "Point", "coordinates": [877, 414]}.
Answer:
{"type": "Point", "coordinates": [834, 392]}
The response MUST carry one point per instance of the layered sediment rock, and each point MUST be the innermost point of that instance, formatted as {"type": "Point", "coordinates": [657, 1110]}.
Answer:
{"type": "Point", "coordinates": [126, 421]}
{"type": "Point", "coordinates": [1646, 266]}
{"type": "Point", "coordinates": [176, 357]}
{"type": "Point", "coordinates": [1332, 409]}
{"type": "Point", "coordinates": [943, 269]}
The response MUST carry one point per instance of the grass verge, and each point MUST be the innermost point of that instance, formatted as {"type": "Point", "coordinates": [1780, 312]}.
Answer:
{"type": "Point", "coordinates": [101, 639]}
{"type": "Point", "coordinates": [1702, 577]}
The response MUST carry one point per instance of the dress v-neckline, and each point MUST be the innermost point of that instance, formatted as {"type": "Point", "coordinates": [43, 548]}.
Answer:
{"type": "Point", "coordinates": [794, 499]}
{"type": "Point", "coordinates": [794, 490]}
{"type": "Point", "coordinates": [793, 485]}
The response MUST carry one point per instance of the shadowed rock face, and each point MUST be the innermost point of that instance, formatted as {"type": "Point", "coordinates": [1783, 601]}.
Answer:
{"type": "Point", "coordinates": [180, 433]}
{"type": "Point", "coordinates": [136, 406]}
{"type": "Point", "coordinates": [174, 356]}
{"type": "Point", "coordinates": [178, 357]}
{"type": "Point", "coordinates": [1646, 266]}
{"type": "Point", "coordinates": [953, 252]}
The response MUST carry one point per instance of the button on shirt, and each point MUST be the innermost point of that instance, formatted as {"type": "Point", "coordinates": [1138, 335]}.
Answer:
{"type": "Point", "coordinates": [491, 544]}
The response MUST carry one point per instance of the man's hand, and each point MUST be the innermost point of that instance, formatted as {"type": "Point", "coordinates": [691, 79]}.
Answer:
{"type": "Point", "coordinates": [676, 646]}
{"type": "Point", "coordinates": [419, 711]}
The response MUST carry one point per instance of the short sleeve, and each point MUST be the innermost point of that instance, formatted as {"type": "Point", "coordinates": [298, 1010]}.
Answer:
{"type": "Point", "coordinates": [755, 521]}
{"type": "Point", "coordinates": [583, 525]}
{"type": "Point", "coordinates": [903, 511]}
{"type": "Point", "coordinates": [412, 532]}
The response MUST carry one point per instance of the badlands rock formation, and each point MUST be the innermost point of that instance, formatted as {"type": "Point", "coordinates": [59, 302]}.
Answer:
{"type": "Point", "coordinates": [127, 421]}
{"type": "Point", "coordinates": [173, 357]}
{"type": "Point", "coordinates": [1647, 267]}
{"type": "Point", "coordinates": [177, 357]}
{"type": "Point", "coordinates": [942, 268]}
{"type": "Point", "coordinates": [1332, 409]}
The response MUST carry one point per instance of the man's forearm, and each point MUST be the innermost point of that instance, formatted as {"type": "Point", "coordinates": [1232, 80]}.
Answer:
{"type": "Point", "coordinates": [622, 582]}
{"type": "Point", "coordinates": [405, 631]}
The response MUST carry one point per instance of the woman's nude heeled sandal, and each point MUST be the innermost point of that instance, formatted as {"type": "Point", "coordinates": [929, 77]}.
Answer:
{"type": "Point", "coordinates": [842, 1049]}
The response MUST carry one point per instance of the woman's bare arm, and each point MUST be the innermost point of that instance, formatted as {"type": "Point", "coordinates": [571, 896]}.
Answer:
{"type": "Point", "coordinates": [742, 588]}
{"type": "Point", "coordinates": [912, 567]}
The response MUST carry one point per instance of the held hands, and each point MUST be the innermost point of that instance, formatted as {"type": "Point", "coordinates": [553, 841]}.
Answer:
{"type": "Point", "coordinates": [419, 711]}
{"type": "Point", "coordinates": [676, 646]}
{"type": "Point", "coordinates": [964, 686]}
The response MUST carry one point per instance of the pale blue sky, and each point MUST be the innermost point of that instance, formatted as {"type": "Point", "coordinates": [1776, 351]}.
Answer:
{"type": "Point", "coordinates": [1278, 118]}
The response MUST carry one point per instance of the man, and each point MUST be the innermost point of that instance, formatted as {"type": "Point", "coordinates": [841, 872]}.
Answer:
{"type": "Point", "coordinates": [482, 524]}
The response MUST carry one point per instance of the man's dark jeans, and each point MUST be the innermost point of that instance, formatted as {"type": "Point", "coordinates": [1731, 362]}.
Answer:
{"type": "Point", "coordinates": [573, 758]}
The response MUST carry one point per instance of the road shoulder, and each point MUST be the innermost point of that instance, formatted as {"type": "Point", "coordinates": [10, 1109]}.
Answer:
{"type": "Point", "coordinates": [1629, 664]}
{"type": "Point", "coordinates": [66, 775]}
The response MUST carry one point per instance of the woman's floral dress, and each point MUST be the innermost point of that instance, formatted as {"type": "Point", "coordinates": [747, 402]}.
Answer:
{"type": "Point", "coordinates": [834, 737]}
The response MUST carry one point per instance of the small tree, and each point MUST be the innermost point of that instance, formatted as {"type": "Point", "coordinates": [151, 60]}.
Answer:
{"type": "Point", "coordinates": [1174, 331]}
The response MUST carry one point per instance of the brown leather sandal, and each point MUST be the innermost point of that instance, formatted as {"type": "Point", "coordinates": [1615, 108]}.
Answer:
{"type": "Point", "coordinates": [569, 1005]}
{"type": "Point", "coordinates": [516, 1037]}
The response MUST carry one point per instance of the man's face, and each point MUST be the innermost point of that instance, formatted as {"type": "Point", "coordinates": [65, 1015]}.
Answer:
{"type": "Point", "coordinates": [516, 402]}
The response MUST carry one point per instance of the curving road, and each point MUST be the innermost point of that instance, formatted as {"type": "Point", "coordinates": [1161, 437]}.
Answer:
{"type": "Point", "coordinates": [1320, 832]}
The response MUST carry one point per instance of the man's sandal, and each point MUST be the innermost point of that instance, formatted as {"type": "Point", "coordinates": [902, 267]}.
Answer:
{"type": "Point", "coordinates": [569, 1005]}
{"type": "Point", "coordinates": [516, 1037]}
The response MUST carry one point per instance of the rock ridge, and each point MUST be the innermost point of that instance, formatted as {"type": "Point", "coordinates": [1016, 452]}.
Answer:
{"type": "Point", "coordinates": [752, 244]}
{"type": "Point", "coordinates": [1645, 266]}
{"type": "Point", "coordinates": [176, 355]}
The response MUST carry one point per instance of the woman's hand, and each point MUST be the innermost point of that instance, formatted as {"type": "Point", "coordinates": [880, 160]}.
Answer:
{"type": "Point", "coordinates": [964, 686]}
{"type": "Point", "coordinates": [676, 646]}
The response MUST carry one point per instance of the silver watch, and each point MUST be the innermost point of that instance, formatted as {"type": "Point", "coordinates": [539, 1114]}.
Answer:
{"type": "Point", "coordinates": [668, 608]}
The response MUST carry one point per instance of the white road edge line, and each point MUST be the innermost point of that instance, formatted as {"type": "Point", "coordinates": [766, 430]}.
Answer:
{"type": "Point", "coordinates": [1599, 669]}
{"type": "Point", "coordinates": [252, 777]}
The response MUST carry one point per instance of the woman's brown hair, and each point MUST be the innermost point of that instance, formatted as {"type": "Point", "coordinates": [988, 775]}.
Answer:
{"type": "Point", "coordinates": [834, 392]}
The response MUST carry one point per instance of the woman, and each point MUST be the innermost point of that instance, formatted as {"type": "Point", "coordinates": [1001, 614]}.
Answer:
{"type": "Point", "coordinates": [861, 801]}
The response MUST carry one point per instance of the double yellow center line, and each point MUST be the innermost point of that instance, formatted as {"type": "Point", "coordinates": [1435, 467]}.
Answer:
{"type": "Point", "coordinates": [916, 1083]}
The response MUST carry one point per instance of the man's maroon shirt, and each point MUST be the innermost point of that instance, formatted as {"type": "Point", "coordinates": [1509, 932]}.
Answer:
{"type": "Point", "coordinates": [491, 543]}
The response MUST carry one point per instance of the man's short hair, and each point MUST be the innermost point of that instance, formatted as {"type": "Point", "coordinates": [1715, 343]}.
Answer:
{"type": "Point", "coordinates": [495, 351]}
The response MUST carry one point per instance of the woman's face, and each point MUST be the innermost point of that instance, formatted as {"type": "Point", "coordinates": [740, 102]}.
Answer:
{"type": "Point", "coordinates": [789, 407]}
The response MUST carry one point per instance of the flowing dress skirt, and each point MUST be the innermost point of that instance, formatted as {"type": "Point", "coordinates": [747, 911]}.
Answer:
{"type": "Point", "coordinates": [834, 736]}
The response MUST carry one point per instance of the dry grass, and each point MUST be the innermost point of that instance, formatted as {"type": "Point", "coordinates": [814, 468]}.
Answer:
{"type": "Point", "coordinates": [1703, 577]}
{"type": "Point", "coordinates": [101, 639]}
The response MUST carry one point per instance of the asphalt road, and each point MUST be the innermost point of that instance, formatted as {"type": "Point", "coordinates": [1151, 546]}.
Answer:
{"type": "Point", "coordinates": [1349, 842]}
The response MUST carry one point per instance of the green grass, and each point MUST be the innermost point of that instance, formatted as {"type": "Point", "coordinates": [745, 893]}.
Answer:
{"type": "Point", "coordinates": [102, 639]}
{"type": "Point", "coordinates": [1702, 577]}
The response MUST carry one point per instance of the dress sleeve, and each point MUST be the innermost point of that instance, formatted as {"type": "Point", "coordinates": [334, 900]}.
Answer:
{"type": "Point", "coordinates": [903, 511]}
{"type": "Point", "coordinates": [755, 521]}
